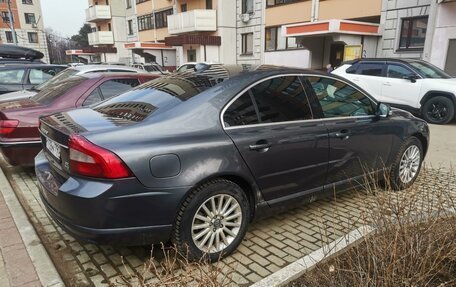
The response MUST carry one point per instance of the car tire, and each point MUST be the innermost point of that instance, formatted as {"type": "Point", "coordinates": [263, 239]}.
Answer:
{"type": "Point", "coordinates": [407, 164]}
{"type": "Point", "coordinates": [212, 221]}
{"type": "Point", "coordinates": [438, 110]}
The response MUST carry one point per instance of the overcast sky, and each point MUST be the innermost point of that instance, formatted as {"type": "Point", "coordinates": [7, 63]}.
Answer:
{"type": "Point", "coordinates": [64, 16]}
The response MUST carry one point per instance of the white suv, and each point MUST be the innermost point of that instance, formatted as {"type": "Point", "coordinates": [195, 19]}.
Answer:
{"type": "Point", "coordinates": [412, 85]}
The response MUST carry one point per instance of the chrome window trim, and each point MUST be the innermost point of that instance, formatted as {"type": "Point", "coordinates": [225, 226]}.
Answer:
{"type": "Point", "coordinates": [222, 113]}
{"type": "Point", "coordinates": [299, 122]}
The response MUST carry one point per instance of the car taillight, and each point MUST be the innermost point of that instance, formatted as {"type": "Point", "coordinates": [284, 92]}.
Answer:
{"type": "Point", "coordinates": [8, 126]}
{"type": "Point", "coordinates": [90, 160]}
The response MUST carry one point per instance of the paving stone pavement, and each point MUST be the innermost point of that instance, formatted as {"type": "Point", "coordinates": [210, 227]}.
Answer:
{"type": "Point", "coordinates": [269, 244]}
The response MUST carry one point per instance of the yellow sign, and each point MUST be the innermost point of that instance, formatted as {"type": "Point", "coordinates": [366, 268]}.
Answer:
{"type": "Point", "coordinates": [352, 52]}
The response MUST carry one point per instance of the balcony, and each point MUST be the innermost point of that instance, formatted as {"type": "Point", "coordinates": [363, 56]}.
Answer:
{"type": "Point", "coordinates": [192, 21]}
{"type": "Point", "coordinates": [101, 38]}
{"type": "Point", "coordinates": [98, 13]}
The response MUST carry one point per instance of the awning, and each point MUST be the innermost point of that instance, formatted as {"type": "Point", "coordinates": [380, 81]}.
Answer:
{"type": "Point", "coordinates": [332, 27]}
{"type": "Point", "coordinates": [193, 40]}
{"type": "Point", "coordinates": [147, 46]}
{"type": "Point", "coordinates": [91, 51]}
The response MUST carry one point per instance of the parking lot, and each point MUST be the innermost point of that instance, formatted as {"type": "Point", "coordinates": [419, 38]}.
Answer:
{"type": "Point", "coordinates": [269, 245]}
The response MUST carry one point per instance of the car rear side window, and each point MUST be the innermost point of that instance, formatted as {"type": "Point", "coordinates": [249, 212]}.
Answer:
{"type": "Point", "coordinates": [93, 98]}
{"type": "Point", "coordinates": [11, 76]}
{"type": "Point", "coordinates": [338, 99]}
{"type": "Point", "coordinates": [117, 86]}
{"type": "Point", "coordinates": [370, 69]}
{"type": "Point", "coordinates": [241, 112]}
{"type": "Point", "coordinates": [41, 75]}
{"type": "Point", "coordinates": [281, 99]}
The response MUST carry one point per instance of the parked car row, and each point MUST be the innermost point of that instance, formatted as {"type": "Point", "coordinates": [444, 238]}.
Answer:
{"type": "Point", "coordinates": [193, 156]}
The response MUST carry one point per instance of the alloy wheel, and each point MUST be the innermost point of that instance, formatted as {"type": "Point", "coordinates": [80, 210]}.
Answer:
{"type": "Point", "coordinates": [410, 163]}
{"type": "Point", "coordinates": [216, 223]}
{"type": "Point", "coordinates": [437, 111]}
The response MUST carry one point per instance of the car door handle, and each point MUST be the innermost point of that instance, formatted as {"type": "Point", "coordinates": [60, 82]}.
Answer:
{"type": "Point", "coordinates": [260, 146]}
{"type": "Point", "coordinates": [387, 84]}
{"type": "Point", "coordinates": [343, 134]}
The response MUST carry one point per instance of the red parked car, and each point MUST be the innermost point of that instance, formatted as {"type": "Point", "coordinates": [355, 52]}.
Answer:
{"type": "Point", "coordinates": [19, 136]}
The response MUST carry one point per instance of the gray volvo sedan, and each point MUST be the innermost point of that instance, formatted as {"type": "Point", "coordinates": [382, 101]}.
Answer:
{"type": "Point", "coordinates": [192, 157]}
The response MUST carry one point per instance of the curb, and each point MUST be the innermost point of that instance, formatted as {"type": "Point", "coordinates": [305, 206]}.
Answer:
{"type": "Point", "coordinates": [47, 273]}
{"type": "Point", "coordinates": [298, 268]}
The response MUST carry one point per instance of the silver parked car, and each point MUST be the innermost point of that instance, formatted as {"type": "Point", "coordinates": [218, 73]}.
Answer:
{"type": "Point", "coordinates": [72, 71]}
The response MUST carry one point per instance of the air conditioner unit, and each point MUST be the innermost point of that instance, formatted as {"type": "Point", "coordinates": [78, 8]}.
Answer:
{"type": "Point", "coordinates": [245, 18]}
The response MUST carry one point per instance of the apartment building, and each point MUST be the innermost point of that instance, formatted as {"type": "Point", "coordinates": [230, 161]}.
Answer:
{"type": "Point", "coordinates": [421, 29]}
{"type": "Point", "coordinates": [27, 20]}
{"type": "Point", "coordinates": [173, 32]}
{"type": "Point", "coordinates": [307, 33]}
{"type": "Point", "coordinates": [109, 33]}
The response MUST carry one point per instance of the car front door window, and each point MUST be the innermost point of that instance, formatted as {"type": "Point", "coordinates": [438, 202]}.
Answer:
{"type": "Point", "coordinates": [338, 99]}
{"type": "Point", "coordinates": [398, 72]}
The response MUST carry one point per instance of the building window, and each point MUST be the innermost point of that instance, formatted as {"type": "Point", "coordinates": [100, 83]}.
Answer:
{"type": "Point", "coordinates": [270, 3]}
{"type": "Point", "coordinates": [146, 22]}
{"type": "Point", "coordinates": [247, 6]}
{"type": "Point", "coordinates": [5, 17]}
{"type": "Point", "coordinates": [109, 27]}
{"type": "Point", "coordinates": [141, 1]}
{"type": "Point", "coordinates": [208, 4]}
{"type": "Point", "coordinates": [130, 27]}
{"type": "Point", "coordinates": [128, 4]}
{"type": "Point", "coordinates": [29, 18]}
{"type": "Point", "coordinates": [27, 2]}
{"type": "Point", "coordinates": [247, 44]}
{"type": "Point", "coordinates": [161, 18]}
{"type": "Point", "coordinates": [9, 36]}
{"type": "Point", "coordinates": [271, 38]}
{"type": "Point", "coordinates": [32, 37]}
{"type": "Point", "coordinates": [413, 33]}
{"type": "Point", "coordinates": [184, 7]}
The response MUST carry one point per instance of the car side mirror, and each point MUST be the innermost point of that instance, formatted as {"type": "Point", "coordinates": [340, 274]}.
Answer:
{"type": "Point", "coordinates": [383, 110]}
{"type": "Point", "coordinates": [411, 78]}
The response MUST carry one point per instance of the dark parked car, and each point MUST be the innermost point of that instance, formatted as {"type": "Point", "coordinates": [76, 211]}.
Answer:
{"type": "Point", "coordinates": [19, 135]}
{"type": "Point", "coordinates": [193, 156]}
{"type": "Point", "coordinates": [21, 77]}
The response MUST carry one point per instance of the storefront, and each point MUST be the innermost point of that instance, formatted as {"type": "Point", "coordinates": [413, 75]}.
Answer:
{"type": "Point", "coordinates": [143, 52]}
{"type": "Point", "coordinates": [326, 42]}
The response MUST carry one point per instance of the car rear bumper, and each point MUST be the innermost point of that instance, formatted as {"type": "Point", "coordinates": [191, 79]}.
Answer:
{"type": "Point", "coordinates": [20, 153]}
{"type": "Point", "coordinates": [119, 211]}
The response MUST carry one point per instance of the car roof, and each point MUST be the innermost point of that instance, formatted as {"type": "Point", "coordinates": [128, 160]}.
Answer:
{"type": "Point", "coordinates": [89, 68]}
{"type": "Point", "coordinates": [113, 75]}
{"type": "Point", "coordinates": [401, 60]}
{"type": "Point", "coordinates": [20, 66]}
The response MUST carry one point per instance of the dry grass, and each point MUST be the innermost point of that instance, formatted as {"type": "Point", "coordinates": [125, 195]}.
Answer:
{"type": "Point", "coordinates": [174, 269]}
{"type": "Point", "coordinates": [414, 243]}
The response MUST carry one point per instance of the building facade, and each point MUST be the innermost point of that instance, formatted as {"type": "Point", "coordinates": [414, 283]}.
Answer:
{"type": "Point", "coordinates": [421, 29]}
{"type": "Point", "coordinates": [109, 33]}
{"type": "Point", "coordinates": [27, 20]}
{"type": "Point", "coordinates": [314, 33]}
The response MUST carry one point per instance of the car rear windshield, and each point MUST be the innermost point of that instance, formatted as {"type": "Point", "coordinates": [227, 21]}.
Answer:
{"type": "Point", "coordinates": [429, 71]}
{"type": "Point", "coordinates": [56, 90]}
{"type": "Point", "coordinates": [57, 78]}
{"type": "Point", "coordinates": [157, 95]}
